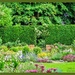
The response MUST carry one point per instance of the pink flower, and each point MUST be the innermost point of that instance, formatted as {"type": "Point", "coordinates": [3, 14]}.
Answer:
{"type": "Point", "coordinates": [27, 71]}
{"type": "Point", "coordinates": [33, 71]}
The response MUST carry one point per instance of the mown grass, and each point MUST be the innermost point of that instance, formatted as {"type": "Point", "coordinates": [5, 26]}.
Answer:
{"type": "Point", "coordinates": [67, 67]}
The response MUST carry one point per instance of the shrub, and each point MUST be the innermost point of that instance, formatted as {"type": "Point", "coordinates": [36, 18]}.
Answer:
{"type": "Point", "coordinates": [9, 44]}
{"type": "Point", "coordinates": [60, 46]}
{"type": "Point", "coordinates": [53, 51]}
{"type": "Point", "coordinates": [37, 50]}
{"type": "Point", "coordinates": [4, 48]}
{"type": "Point", "coordinates": [26, 49]}
{"type": "Point", "coordinates": [67, 51]}
{"type": "Point", "coordinates": [32, 56]}
{"type": "Point", "coordinates": [15, 49]}
{"type": "Point", "coordinates": [57, 56]}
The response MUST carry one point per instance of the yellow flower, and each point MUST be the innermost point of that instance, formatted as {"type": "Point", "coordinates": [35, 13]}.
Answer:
{"type": "Point", "coordinates": [43, 54]}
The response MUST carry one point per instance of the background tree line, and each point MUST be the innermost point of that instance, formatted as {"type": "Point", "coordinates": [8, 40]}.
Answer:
{"type": "Point", "coordinates": [36, 13]}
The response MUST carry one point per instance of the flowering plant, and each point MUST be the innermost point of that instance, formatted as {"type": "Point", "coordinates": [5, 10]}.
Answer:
{"type": "Point", "coordinates": [69, 57]}
{"type": "Point", "coordinates": [42, 69]}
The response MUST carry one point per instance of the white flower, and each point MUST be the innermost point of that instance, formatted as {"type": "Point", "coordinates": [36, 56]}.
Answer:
{"type": "Point", "coordinates": [69, 50]}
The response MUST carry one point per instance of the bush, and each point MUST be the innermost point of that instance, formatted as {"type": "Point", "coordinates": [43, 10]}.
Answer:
{"type": "Point", "coordinates": [60, 46]}
{"type": "Point", "coordinates": [9, 44]}
{"type": "Point", "coordinates": [67, 51]}
{"type": "Point", "coordinates": [53, 51]}
{"type": "Point", "coordinates": [37, 50]}
{"type": "Point", "coordinates": [26, 49]}
{"type": "Point", "coordinates": [3, 48]}
{"type": "Point", "coordinates": [30, 57]}
{"type": "Point", "coordinates": [57, 56]}
{"type": "Point", "coordinates": [15, 49]}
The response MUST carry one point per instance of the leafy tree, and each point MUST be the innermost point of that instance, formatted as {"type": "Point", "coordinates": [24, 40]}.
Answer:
{"type": "Point", "coordinates": [42, 13]}
{"type": "Point", "coordinates": [5, 16]}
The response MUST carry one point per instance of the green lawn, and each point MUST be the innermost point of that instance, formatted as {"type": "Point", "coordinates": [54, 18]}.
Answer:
{"type": "Point", "coordinates": [65, 67]}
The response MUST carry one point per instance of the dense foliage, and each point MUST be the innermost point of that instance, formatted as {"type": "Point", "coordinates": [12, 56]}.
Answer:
{"type": "Point", "coordinates": [62, 34]}
{"type": "Point", "coordinates": [12, 33]}
{"type": "Point", "coordinates": [41, 13]}
{"type": "Point", "coordinates": [5, 16]}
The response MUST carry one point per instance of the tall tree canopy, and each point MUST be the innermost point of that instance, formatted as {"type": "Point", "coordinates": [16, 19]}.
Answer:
{"type": "Point", "coordinates": [5, 16]}
{"type": "Point", "coordinates": [41, 13]}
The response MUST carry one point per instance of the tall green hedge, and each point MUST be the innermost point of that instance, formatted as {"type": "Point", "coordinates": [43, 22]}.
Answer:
{"type": "Point", "coordinates": [63, 34]}
{"type": "Point", "coordinates": [56, 33]}
{"type": "Point", "coordinates": [12, 33]}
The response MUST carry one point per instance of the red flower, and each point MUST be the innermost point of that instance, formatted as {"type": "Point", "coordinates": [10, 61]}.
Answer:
{"type": "Point", "coordinates": [41, 66]}
{"type": "Point", "coordinates": [36, 65]}
{"type": "Point", "coordinates": [54, 69]}
{"type": "Point", "coordinates": [48, 71]}
{"type": "Point", "coordinates": [42, 69]}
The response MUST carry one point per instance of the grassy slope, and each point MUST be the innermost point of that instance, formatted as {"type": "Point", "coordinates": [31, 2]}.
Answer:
{"type": "Point", "coordinates": [65, 67]}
